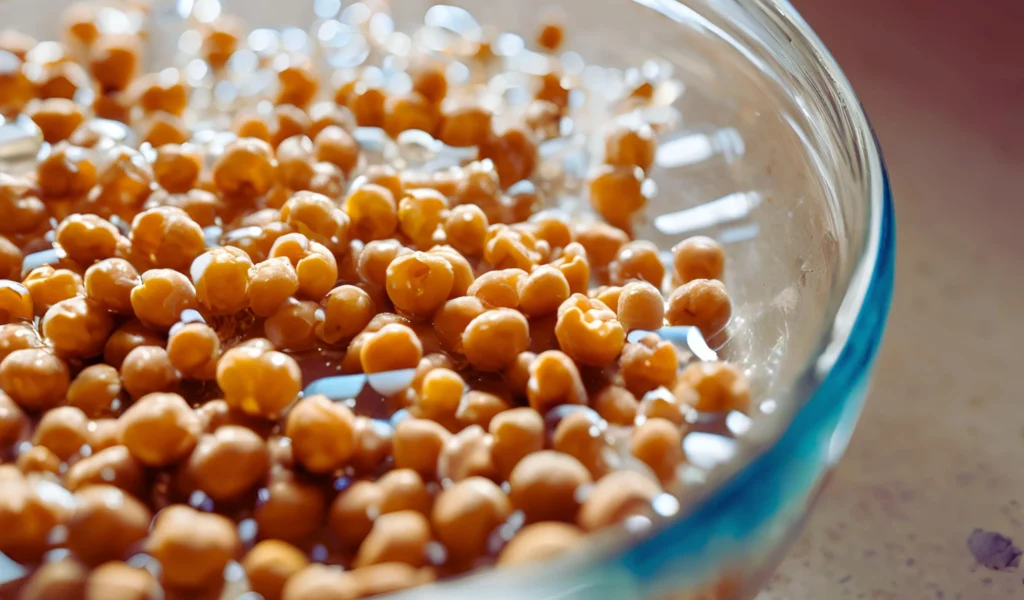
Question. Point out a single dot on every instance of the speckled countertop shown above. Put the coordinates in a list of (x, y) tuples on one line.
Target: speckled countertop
[(938, 451)]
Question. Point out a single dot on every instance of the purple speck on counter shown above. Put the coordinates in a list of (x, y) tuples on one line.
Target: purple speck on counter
[(993, 550)]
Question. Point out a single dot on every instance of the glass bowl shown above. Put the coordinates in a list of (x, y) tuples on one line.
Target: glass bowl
[(775, 158)]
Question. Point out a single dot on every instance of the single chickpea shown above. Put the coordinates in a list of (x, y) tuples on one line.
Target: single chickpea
[(111, 105), (126, 338), (466, 229), (367, 105), (221, 278), (463, 271), (351, 513), (630, 147), (167, 236), (616, 195), (616, 497), (114, 465), (246, 168), (160, 128), (258, 380), (616, 404), (466, 513), (698, 257), (553, 88), (220, 39), (63, 430), (295, 162), (193, 547), (507, 248), (88, 238), (297, 85), (18, 336), (640, 306), (420, 214), (62, 80), (14, 423), (193, 350), (403, 489), (499, 289), (373, 445), (543, 485), (440, 394), (161, 296), (94, 390), (430, 81), (608, 295), (159, 429), (114, 61), (554, 380), (200, 205), (177, 167), (375, 259), (162, 91), (417, 444), (648, 364), (39, 459), (335, 145), (65, 578), (21, 210), (326, 114), (701, 303), (34, 378), (393, 347), (347, 310), (479, 408), (671, 406), (468, 454), (66, 172), (321, 581), (293, 325), (492, 340), (543, 291), (322, 434), (538, 542), (386, 177), (124, 180), (410, 111), (659, 444), (719, 386), (637, 260), (517, 375), (77, 327), (48, 286), (291, 509), (105, 524), (270, 564), (386, 578), (103, 434), (10, 259), (395, 537), (316, 217), (464, 125), (315, 266), (588, 331), (373, 212), (514, 154), (551, 33), (15, 303), (452, 319), (251, 125), (56, 118), (120, 581), (517, 433), (271, 283), (228, 462), (419, 283)]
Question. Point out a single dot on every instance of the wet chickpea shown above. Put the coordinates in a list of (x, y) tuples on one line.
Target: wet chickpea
[(316, 217), (10, 260), (659, 444), (48, 286), (648, 364), (554, 380), (403, 489), (517, 375), (410, 111), (35, 379), (514, 154), (540, 541), (543, 485), (63, 431), (719, 387), (373, 445), (159, 429), (228, 462), (124, 178), (466, 513), (14, 422), (65, 578), (351, 513), (18, 336), (322, 582), (395, 537), (589, 332), (575, 267), (335, 145), (193, 547), (129, 336), (440, 394), (468, 454), (15, 302), (56, 118), (322, 434), (372, 211), (193, 350), (114, 465), (609, 295), (417, 444), (466, 229), (420, 214), (270, 564), (698, 257), (315, 266), (615, 497), (291, 509), (616, 195), (461, 269), (464, 124), (177, 167), (452, 319), (347, 310), (293, 325), (39, 459), (77, 327), (616, 404), (492, 340), (297, 85), (630, 147), (94, 390), (675, 407), (702, 303), (429, 81), (543, 291), (246, 168), (114, 61), (66, 172), (375, 259), (287, 121), (517, 433), (637, 260), (250, 125), (271, 283), (102, 434), (499, 289), (105, 524), (21, 210), (581, 434), (61, 80), (88, 238), (419, 283), (367, 105), (640, 306), (148, 369), (160, 128), (393, 347), (258, 380), (221, 279), (479, 408), (326, 114), (386, 177), (120, 581), (168, 237)]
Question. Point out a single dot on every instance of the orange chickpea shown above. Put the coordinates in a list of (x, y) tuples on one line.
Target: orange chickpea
[(543, 291), (350, 513), (335, 145), (315, 266), (287, 121), (66, 172), (21, 210), (517, 433), (326, 114), (77, 327), (246, 168), (148, 369), (270, 564), (322, 434), (124, 178), (62, 431), (462, 270), (48, 286), (159, 429), (479, 408), (640, 306), (637, 260), (375, 259), (114, 61), (466, 513), (719, 387), (293, 509), (492, 340), (615, 194), (554, 380), (10, 260), (316, 217), (616, 497), (114, 465), (35, 379), (160, 128), (249, 125), (464, 124), (220, 40), (14, 423), (588, 331), (367, 105), (221, 278), (468, 454), (39, 459), (410, 111), (258, 380), (508, 248), (419, 283), (293, 326), (347, 310), (440, 394), (177, 167), (616, 404), (551, 33), (193, 547), (429, 80), (608, 295), (466, 229), (193, 349), (417, 444), (163, 91), (452, 319), (514, 154), (161, 296), (295, 162), (373, 212), (15, 302), (698, 257), (393, 347), (675, 407), (297, 85), (386, 177), (271, 283), (403, 489), (228, 462), (395, 537), (61, 80), (103, 434), (538, 542), (552, 88), (499, 289), (420, 214), (119, 581), (659, 444), (649, 364), (56, 117), (543, 486), (126, 338), (168, 237), (702, 303), (18, 336), (95, 390), (111, 105), (105, 524), (87, 238), (630, 147), (26, 518)]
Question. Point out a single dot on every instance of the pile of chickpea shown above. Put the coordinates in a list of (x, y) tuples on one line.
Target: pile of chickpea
[(152, 372)]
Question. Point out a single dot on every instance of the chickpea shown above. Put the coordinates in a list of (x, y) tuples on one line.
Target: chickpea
[(77, 327), (34, 378), (467, 454), (403, 489), (14, 422), (88, 238), (220, 40), (111, 105), (61, 80), (322, 434), (386, 177), (228, 462), (167, 236), (494, 339), (127, 337), (26, 518), (420, 215), (702, 303), (16, 89), (462, 270), (616, 195), (659, 444), (271, 283), (66, 172), (649, 364), (674, 407), (466, 513), (393, 347), (258, 380), (293, 326), (554, 380), (297, 85), (719, 387), (440, 394), (48, 286), (608, 295), (124, 180), (367, 105), (10, 260), (575, 267), (373, 445), (39, 459), (637, 260), (65, 578), (200, 205), (464, 125), (21, 210), (588, 331), (352, 512), (159, 429), (538, 542), (163, 91), (246, 168), (429, 80), (347, 311), (193, 547), (466, 229), (62, 431), (15, 303), (375, 259), (630, 147), (102, 434), (417, 444), (321, 582), (291, 509), (419, 283), (640, 306), (335, 145), (372, 211), (316, 217), (249, 125), (544, 484), (479, 408), (221, 278), (517, 433), (395, 537), (119, 581), (452, 319), (543, 291), (582, 434), (148, 369), (514, 154), (616, 404), (551, 34), (410, 111), (698, 257), (517, 375), (552, 87), (177, 167), (270, 564), (105, 524), (327, 114), (193, 350), (315, 266), (160, 128), (114, 61), (56, 117), (114, 465), (295, 162), (18, 336)]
